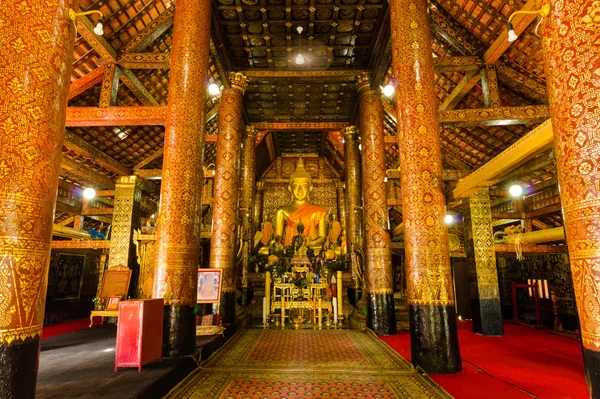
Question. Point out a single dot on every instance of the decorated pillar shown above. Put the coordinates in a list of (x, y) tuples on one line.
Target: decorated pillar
[(572, 63), (258, 206), (179, 222), (341, 205), (377, 242), (126, 218), (433, 335), (481, 258), (247, 182), (223, 240), (37, 53), (353, 200)]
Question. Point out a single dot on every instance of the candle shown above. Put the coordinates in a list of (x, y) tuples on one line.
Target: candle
[(335, 313), (264, 310), (314, 306), (320, 312), (282, 311)]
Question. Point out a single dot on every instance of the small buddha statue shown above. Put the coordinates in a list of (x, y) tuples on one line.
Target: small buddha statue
[(264, 235), (299, 242), (334, 230), (313, 216)]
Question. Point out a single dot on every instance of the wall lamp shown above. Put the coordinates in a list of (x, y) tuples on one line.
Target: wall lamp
[(544, 12), (99, 29)]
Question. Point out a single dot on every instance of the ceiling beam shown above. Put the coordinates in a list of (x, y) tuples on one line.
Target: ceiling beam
[(155, 155), (98, 43), (137, 87), (494, 116), (110, 86), (74, 143), (457, 64), (86, 82), (148, 173), (281, 126), (151, 32), (531, 249), (261, 74), (461, 89), (145, 60), (520, 152), (116, 116), (86, 173)]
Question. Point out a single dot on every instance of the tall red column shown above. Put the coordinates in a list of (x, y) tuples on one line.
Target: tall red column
[(36, 53), (434, 340), (178, 234), (572, 59), (247, 183), (223, 242), (381, 316)]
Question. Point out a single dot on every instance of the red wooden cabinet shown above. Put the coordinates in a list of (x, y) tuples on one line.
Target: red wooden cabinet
[(139, 332)]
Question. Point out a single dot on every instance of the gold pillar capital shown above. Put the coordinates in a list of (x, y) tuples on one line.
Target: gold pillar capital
[(239, 82), (129, 180), (349, 131), (363, 82), (251, 131), (260, 185), (340, 185)]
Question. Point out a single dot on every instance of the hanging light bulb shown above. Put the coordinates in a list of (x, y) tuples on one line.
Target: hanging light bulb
[(512, 36), (299, 58), (99, 29), (388, 90), (449, 219), (515, 190), (89, 193), (213, 89)]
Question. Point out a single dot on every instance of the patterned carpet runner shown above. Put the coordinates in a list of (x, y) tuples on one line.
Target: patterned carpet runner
[(275, 364)]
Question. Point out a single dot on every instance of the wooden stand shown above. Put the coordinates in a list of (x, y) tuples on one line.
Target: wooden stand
[(139, 333)]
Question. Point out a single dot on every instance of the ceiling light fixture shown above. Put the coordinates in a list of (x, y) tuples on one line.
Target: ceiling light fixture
[(544, 12), (515, 190), (99, 28), (89, 193), (388, 90), (213, 89), (300, 60), (449, 219)]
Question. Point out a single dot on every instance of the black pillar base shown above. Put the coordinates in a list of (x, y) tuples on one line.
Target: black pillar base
[(179, 331), (487, 317), (18, 369), (381, 315), (247, 295), (591, 361), (434, 339), (227, 308)]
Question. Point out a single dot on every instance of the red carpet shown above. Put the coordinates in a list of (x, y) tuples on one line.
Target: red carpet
[(523, 363), (64, 328)]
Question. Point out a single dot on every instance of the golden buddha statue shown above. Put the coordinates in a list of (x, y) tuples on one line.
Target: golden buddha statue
[(313, 216)]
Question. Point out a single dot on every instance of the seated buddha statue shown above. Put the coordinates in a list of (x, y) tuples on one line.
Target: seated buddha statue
[(313, 217)]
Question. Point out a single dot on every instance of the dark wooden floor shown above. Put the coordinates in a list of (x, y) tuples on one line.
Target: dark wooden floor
[(80, 365)]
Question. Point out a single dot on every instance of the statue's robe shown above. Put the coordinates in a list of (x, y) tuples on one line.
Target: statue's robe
[(311, 215), (334, 231), (266, 234)]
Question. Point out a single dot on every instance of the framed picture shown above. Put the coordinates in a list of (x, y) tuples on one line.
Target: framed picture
[(113, 303), (209, 285)]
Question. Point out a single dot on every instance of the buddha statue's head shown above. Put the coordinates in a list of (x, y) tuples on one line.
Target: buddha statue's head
[(300, 183)]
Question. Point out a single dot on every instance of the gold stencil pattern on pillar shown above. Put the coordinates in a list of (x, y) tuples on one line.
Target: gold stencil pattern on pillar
[(225, 213), (570, 40), (127, 192), (178, 234), (378, 261), (483, 244), (36, 72), (423, 203)]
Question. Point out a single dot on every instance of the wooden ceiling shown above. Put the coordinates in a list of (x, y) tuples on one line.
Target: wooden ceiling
[(340, 38)]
